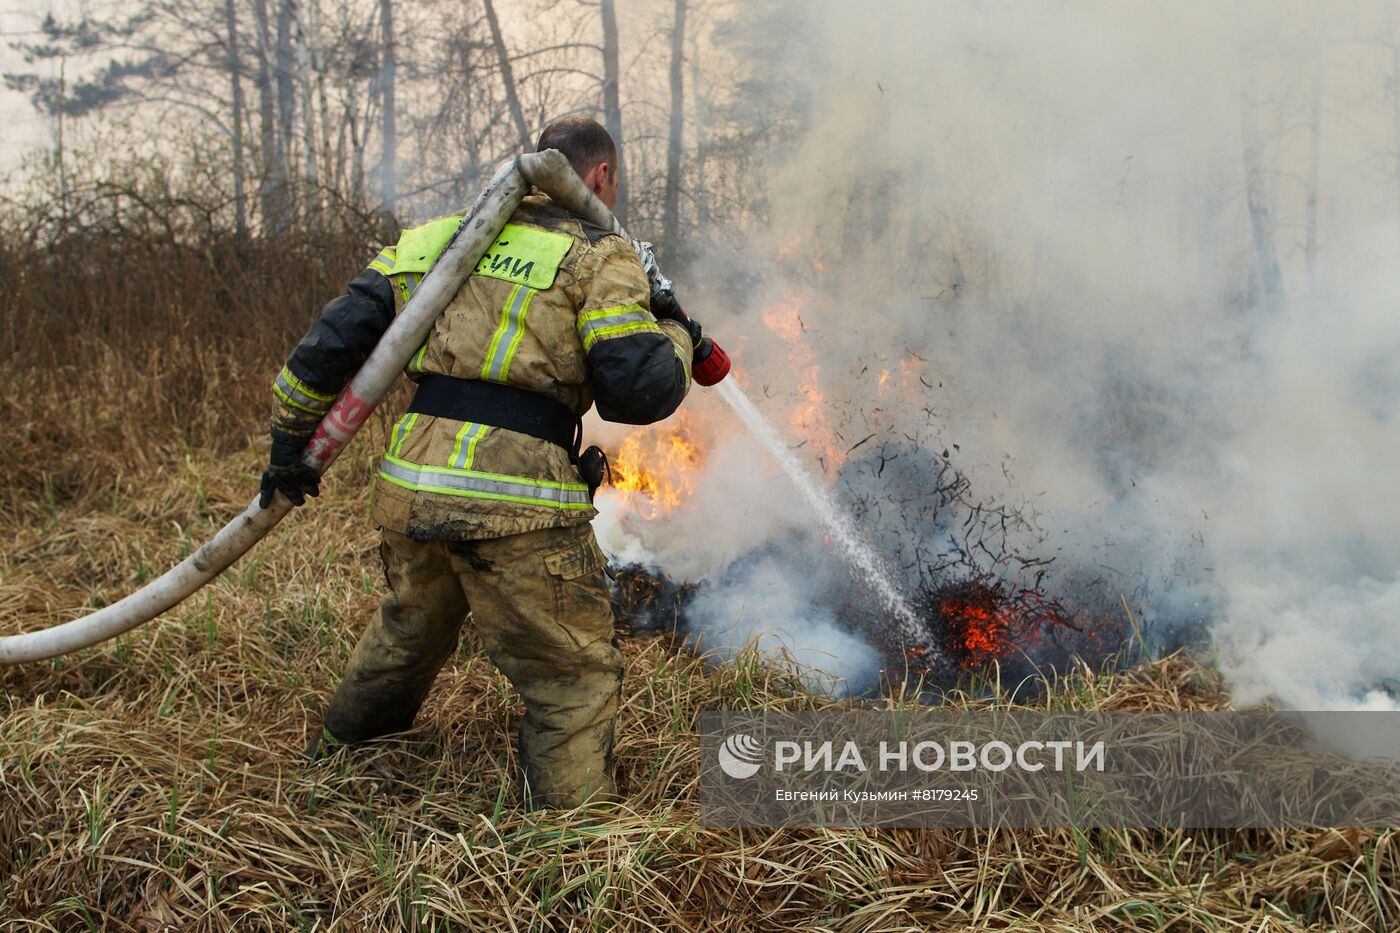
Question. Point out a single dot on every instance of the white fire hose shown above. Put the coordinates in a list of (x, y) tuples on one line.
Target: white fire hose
[(549, 171)]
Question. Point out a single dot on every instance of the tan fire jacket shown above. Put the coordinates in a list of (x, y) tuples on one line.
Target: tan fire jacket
[(557, 307)]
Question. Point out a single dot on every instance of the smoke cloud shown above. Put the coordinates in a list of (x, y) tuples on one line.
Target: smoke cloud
[(1133, 267)]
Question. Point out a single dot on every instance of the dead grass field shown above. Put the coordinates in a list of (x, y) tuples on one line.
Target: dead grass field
[(153, 784)]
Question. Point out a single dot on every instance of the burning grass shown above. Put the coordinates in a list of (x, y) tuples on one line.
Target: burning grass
[(152, 784), (976, 627), (645, 602), (985, 621)]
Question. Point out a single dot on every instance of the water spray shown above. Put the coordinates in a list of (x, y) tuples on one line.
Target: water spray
[(710, 368), (833, 518)]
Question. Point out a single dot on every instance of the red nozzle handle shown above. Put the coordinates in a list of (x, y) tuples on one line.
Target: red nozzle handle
[(711, 363)]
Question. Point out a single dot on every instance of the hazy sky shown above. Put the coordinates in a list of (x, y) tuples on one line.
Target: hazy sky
[(23, 128)]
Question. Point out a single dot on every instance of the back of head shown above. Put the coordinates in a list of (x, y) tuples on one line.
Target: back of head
[(584, 143)]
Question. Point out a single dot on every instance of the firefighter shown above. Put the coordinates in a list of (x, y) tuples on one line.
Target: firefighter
[(481, 502)]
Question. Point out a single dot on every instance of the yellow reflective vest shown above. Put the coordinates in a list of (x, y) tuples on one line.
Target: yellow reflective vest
[(556, 307)]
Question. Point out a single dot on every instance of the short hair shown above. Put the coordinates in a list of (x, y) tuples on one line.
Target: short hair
[(584, 143)]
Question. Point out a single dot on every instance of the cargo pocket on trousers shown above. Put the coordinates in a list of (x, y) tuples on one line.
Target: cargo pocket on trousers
[(581, 603)]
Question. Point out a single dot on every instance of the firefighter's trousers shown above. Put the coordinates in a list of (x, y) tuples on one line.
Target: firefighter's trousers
[(539, 601)]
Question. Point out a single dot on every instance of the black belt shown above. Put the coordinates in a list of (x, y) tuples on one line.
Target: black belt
[(500, 406)]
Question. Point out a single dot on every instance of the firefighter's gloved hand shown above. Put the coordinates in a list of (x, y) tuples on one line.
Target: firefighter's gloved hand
[(286, 473), (665, 307)]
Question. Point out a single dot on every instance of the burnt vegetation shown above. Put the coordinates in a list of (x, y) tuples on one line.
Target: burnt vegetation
[(986, 596)]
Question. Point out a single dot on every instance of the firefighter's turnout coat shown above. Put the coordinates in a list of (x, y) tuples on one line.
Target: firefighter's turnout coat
[(557, 307), (484, 520)]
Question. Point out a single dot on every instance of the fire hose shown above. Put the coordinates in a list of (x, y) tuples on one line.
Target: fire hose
[(549, 171)]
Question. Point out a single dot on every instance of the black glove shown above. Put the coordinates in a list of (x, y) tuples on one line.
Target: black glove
[(665, 307), (286, 473)]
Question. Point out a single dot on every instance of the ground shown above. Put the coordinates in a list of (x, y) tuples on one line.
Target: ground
[(152, 783)]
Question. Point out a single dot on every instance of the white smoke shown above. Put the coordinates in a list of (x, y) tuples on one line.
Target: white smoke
[(1049, 205), (738, 531), (765, 604), (1307, 541)]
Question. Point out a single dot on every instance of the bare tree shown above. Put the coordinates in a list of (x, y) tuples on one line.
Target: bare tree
[(612, 102), (272, 186), (336, 101), (285, 74), (306, 68), (55, 97), (462, 121), (1260, 217), (702, 193), (240, 207), (389, 129), (351, 48), (320, 159), (498, 41), (675, 137), (1311, 182)]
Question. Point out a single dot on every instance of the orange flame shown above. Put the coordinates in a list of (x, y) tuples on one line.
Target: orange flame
[(785, 319), (654, 470), (808, 417), (979, 624), (984, 631)]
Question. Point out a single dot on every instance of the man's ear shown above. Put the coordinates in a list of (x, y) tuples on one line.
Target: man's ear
[(598, 177)]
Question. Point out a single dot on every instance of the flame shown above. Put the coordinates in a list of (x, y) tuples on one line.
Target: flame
[(785, 319), (808, 417), (792, 249), (786, 249), (979, 623), (653, 471), (983, 630), (883, 384)]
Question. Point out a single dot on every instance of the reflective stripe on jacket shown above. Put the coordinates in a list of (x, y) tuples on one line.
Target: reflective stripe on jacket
[(557, 307)]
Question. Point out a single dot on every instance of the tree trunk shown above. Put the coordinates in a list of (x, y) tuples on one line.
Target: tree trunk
[(701, 111), (61, 155), (330, 171), (472, 161), (675, 138), (517, 113), (1314, 160), (357, 155), (1260, 220), (612, 105), (272, 184), (286, 97), (388, 127), (240, 207), (307, 66), (360, 133)]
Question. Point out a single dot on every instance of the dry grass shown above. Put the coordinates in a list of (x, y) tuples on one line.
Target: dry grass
[(152, 783)]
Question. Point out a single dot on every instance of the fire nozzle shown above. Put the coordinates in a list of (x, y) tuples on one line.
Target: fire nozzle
[(711, 363)]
